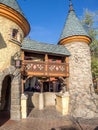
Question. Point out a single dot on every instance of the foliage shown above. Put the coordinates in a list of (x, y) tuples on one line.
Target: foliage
[(90, 22), (94, 66)]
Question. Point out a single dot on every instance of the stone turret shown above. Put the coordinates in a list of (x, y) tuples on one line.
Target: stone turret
[(13, 28), (76, 40)]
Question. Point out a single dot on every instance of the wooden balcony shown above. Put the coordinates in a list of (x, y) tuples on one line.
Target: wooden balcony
[(41, 68)]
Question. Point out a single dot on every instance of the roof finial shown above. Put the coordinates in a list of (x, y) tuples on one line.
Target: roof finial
[(71, 6)]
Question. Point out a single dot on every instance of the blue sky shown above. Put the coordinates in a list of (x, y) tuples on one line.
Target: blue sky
[(47, 17)]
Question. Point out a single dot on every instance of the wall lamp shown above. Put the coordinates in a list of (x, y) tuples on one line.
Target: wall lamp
[(16, 59)]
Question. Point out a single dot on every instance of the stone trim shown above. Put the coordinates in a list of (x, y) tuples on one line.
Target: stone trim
[(75, 39), (15, 42)]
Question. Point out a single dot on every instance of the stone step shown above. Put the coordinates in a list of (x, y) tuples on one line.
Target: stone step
[(47, 113)]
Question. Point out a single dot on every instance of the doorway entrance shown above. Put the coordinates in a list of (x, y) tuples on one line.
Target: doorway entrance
[(6, 96)]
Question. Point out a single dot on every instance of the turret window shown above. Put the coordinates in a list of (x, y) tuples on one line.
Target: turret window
[(16, 36), (14, 33)]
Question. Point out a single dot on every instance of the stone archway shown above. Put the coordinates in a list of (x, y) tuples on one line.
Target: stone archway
[(14, 91)]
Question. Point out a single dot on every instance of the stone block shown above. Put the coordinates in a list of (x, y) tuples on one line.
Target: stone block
[(17, 83), (41, 101), (24, 106), (15, 94), (62, 103), (15, 101), (15, 115), (38, 101), (49, 99), (18, 88), (35, 100), (15, 107)]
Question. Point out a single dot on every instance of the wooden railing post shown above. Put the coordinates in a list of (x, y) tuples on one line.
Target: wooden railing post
[(46, 64)]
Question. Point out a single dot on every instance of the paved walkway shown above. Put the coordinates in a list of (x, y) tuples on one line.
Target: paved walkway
[(47, 119)]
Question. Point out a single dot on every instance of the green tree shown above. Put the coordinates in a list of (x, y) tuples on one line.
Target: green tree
[(94, 66), (90, 22)]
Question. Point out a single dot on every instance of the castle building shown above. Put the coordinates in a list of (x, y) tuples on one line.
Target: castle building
[(28, 66)]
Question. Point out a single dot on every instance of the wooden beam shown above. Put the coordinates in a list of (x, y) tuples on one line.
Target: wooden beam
[(67, 66), (46, 64), (65, 81), (46, 57)]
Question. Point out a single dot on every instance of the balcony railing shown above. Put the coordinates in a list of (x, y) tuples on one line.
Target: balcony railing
[(45, 68)]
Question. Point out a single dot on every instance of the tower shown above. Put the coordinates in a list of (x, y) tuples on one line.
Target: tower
[(13, 28), (76, 40)]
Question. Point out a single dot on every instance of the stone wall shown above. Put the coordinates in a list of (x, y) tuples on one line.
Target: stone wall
[(16, 97), (8, 47), (82, 96)]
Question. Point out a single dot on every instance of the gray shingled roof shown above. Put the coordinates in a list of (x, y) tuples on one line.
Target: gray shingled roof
[(73, 27), (35, 46), (13, 4)]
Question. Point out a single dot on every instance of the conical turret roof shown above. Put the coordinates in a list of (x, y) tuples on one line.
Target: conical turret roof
[(12, 4), (73, 26)]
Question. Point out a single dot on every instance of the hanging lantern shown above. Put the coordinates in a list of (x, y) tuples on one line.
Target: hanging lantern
[(17, 59)]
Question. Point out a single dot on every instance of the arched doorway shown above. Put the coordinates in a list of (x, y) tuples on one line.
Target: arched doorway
[(5, 100), (10, 93), (6, 95)]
